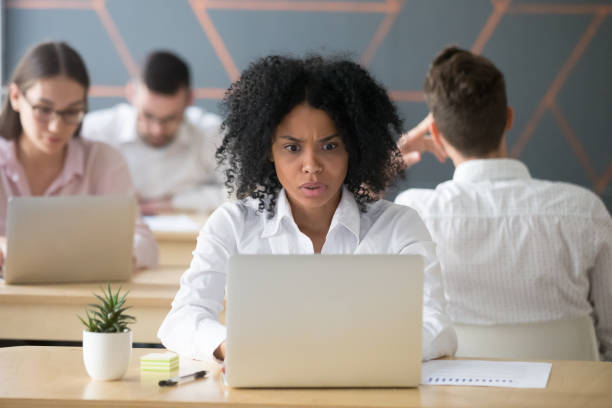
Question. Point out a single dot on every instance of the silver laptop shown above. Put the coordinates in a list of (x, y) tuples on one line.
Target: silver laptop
[(69, 239), (324, 321)]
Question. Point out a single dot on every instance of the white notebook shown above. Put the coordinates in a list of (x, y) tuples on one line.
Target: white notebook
[(171, 223), (513, 374)]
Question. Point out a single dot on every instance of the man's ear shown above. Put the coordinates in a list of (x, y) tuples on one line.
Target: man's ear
[(436, 135), (14, 94), (190, 97), (509, 118)]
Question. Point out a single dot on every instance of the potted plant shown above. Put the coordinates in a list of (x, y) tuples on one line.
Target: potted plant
[(107, 340)]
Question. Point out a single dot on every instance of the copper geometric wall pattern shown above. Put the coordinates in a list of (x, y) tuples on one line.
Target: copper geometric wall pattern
[(556, 57)]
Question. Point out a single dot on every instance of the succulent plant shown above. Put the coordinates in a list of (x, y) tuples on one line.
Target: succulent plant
[(109, 316)]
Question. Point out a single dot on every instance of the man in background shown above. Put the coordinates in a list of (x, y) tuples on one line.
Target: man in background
[(512, 249), (169, 146)]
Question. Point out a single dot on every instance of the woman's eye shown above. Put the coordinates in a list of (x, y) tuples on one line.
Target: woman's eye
[(44, 110), (292, 148), (330, 146), (72, 113)]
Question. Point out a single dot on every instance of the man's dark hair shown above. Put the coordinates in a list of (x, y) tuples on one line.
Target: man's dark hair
[(364, 116), (466, 94), (165, 73)]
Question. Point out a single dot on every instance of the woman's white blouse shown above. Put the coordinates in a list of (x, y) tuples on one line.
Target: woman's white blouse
[(192, 327)]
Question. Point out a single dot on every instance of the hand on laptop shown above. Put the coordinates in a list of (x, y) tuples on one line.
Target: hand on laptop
[(418, 140)]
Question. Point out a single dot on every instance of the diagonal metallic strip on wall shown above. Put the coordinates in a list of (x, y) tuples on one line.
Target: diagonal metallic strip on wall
[(560, 9), (106, 91), (115, 37), (292, 5), (381, 32), (209, 93), (557, 84), (113, 91), (200, 9), (574, 143), (499, 9), (529, 129), (99, 7), (407, 96), (50, 4), (603, 182)]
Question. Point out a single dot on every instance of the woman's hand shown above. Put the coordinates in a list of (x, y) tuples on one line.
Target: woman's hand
[(2, 251), (219, 352)]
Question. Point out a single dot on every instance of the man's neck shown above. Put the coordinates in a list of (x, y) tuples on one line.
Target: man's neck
[(457, 158)]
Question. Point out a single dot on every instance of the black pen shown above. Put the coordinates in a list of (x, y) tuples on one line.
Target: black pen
[(176, 380)]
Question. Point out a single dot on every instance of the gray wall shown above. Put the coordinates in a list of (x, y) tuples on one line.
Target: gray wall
[(556, 56)]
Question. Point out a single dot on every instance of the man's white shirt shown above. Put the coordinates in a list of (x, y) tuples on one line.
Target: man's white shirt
[(185, 169), (192, 327), (516, 249)]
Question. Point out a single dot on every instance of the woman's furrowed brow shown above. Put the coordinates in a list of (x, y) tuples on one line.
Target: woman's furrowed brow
[(328, 138), (290, 138), (295, 139)]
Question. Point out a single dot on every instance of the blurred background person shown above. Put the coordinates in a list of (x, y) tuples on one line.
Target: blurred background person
[(41, 151), (169, 145)]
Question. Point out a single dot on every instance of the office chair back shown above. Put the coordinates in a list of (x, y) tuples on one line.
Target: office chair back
[(570, 339)]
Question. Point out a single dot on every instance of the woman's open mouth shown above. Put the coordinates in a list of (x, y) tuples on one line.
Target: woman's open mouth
[(313, 189)]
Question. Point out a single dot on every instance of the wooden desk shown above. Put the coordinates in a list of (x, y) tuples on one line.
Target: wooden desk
[(175, 247), (49, 312), (47, 376)]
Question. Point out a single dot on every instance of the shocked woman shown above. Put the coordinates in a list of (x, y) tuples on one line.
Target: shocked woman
[(308, 149)]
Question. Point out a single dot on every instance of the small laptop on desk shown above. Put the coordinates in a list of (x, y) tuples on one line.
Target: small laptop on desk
[(69, 239), (324, 321)]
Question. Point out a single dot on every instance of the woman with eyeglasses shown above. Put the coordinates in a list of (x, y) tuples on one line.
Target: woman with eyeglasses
[(41, 153)]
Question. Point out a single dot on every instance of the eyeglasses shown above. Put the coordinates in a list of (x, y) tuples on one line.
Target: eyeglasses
[(167, 121), (44, 114)]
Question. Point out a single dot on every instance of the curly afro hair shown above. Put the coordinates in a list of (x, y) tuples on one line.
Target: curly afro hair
[(271, 87)]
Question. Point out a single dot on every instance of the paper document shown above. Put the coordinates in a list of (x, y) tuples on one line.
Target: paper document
[(513, 374), (171, 223)]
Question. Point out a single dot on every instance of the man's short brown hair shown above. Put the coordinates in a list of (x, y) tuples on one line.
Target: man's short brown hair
[(466, 94)]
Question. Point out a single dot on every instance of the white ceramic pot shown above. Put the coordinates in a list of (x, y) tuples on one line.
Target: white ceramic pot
[(107, 355)]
